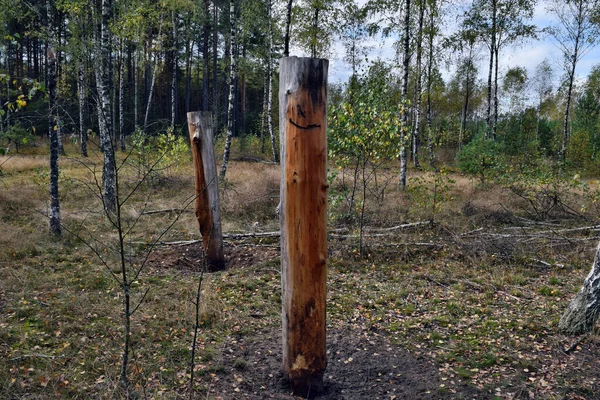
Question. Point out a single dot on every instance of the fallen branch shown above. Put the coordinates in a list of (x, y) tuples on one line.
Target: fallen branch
[(254, 159), (574, 345), (496, 290), (251, 235), (246, 235), (430, 279), (470, 232), (225, 236), (547, 264), (397, 227), (583, 228), (166, 210), (34, 355), (416, 244)]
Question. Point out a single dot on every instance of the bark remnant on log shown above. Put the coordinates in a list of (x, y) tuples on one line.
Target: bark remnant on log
[(303, 127)]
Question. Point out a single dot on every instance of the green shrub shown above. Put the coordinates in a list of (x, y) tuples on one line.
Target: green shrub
[(18, 136), (159, 156), (482, 158)]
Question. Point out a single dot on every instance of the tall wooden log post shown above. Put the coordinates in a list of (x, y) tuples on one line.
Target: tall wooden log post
[(208, 214), (303, 217)]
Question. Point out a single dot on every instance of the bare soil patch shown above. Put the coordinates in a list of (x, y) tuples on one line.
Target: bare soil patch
[(188, 258), (360, 366)]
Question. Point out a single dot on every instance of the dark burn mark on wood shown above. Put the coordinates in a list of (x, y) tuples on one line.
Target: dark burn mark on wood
[(300, 111), (307, 127)]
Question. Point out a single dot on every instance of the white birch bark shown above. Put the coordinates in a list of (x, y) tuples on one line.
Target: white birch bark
[(152, 81), (582, 312), (231, 100), (81, 98), (55, 224), (136, 86), (122, 100), (405, 64), (417, 105), (175, 51), (104, 110), (270, 87)]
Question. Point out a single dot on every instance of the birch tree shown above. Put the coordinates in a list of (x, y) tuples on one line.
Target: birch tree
[(55, 225), (542, 84), (577, 32), (270, 82), (103, 82), (405, 71), (499, 23), (431, 31), (231, 82), (419, 87)]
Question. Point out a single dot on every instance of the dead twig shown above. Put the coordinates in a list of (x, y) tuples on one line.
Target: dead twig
[(574, 345), (34, 355), (166, 210)]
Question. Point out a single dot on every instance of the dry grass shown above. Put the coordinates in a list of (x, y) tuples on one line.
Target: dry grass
[(249, 196), (20, 163)]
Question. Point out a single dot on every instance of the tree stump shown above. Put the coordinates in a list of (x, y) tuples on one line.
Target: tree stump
[(583, 310), (207, 207), (303, 218)]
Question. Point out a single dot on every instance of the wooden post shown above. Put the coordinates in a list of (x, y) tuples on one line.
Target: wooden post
[(303, 217), (207, 207)]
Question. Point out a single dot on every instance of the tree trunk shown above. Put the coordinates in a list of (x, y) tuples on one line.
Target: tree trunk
[(81, 97), (495, 123), (2, 118), (113, 92), (36, 59), (215, 55), (174, 80), (108, 168), (152, 82), (429, 84), (303, 218), (55, 225), (263, 116), (488, 131), (57, 60), (315, 32), (565, 140), (288, 24), (270, 88), (582, 312), (207, 207), (417, 105), (205, 56), (188, 65), (231, 102), (405, 65), (122, 100), (243, 99), (463, 122), (136, 86), (61, 148)]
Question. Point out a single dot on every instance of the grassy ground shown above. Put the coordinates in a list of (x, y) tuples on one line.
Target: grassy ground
[(466, 307)]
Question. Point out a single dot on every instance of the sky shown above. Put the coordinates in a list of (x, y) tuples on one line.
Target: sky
[(527, 55)]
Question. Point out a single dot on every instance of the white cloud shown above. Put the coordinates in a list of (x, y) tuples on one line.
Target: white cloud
[(527, 55)]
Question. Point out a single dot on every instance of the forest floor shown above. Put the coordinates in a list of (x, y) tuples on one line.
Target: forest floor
[(464, 307)]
